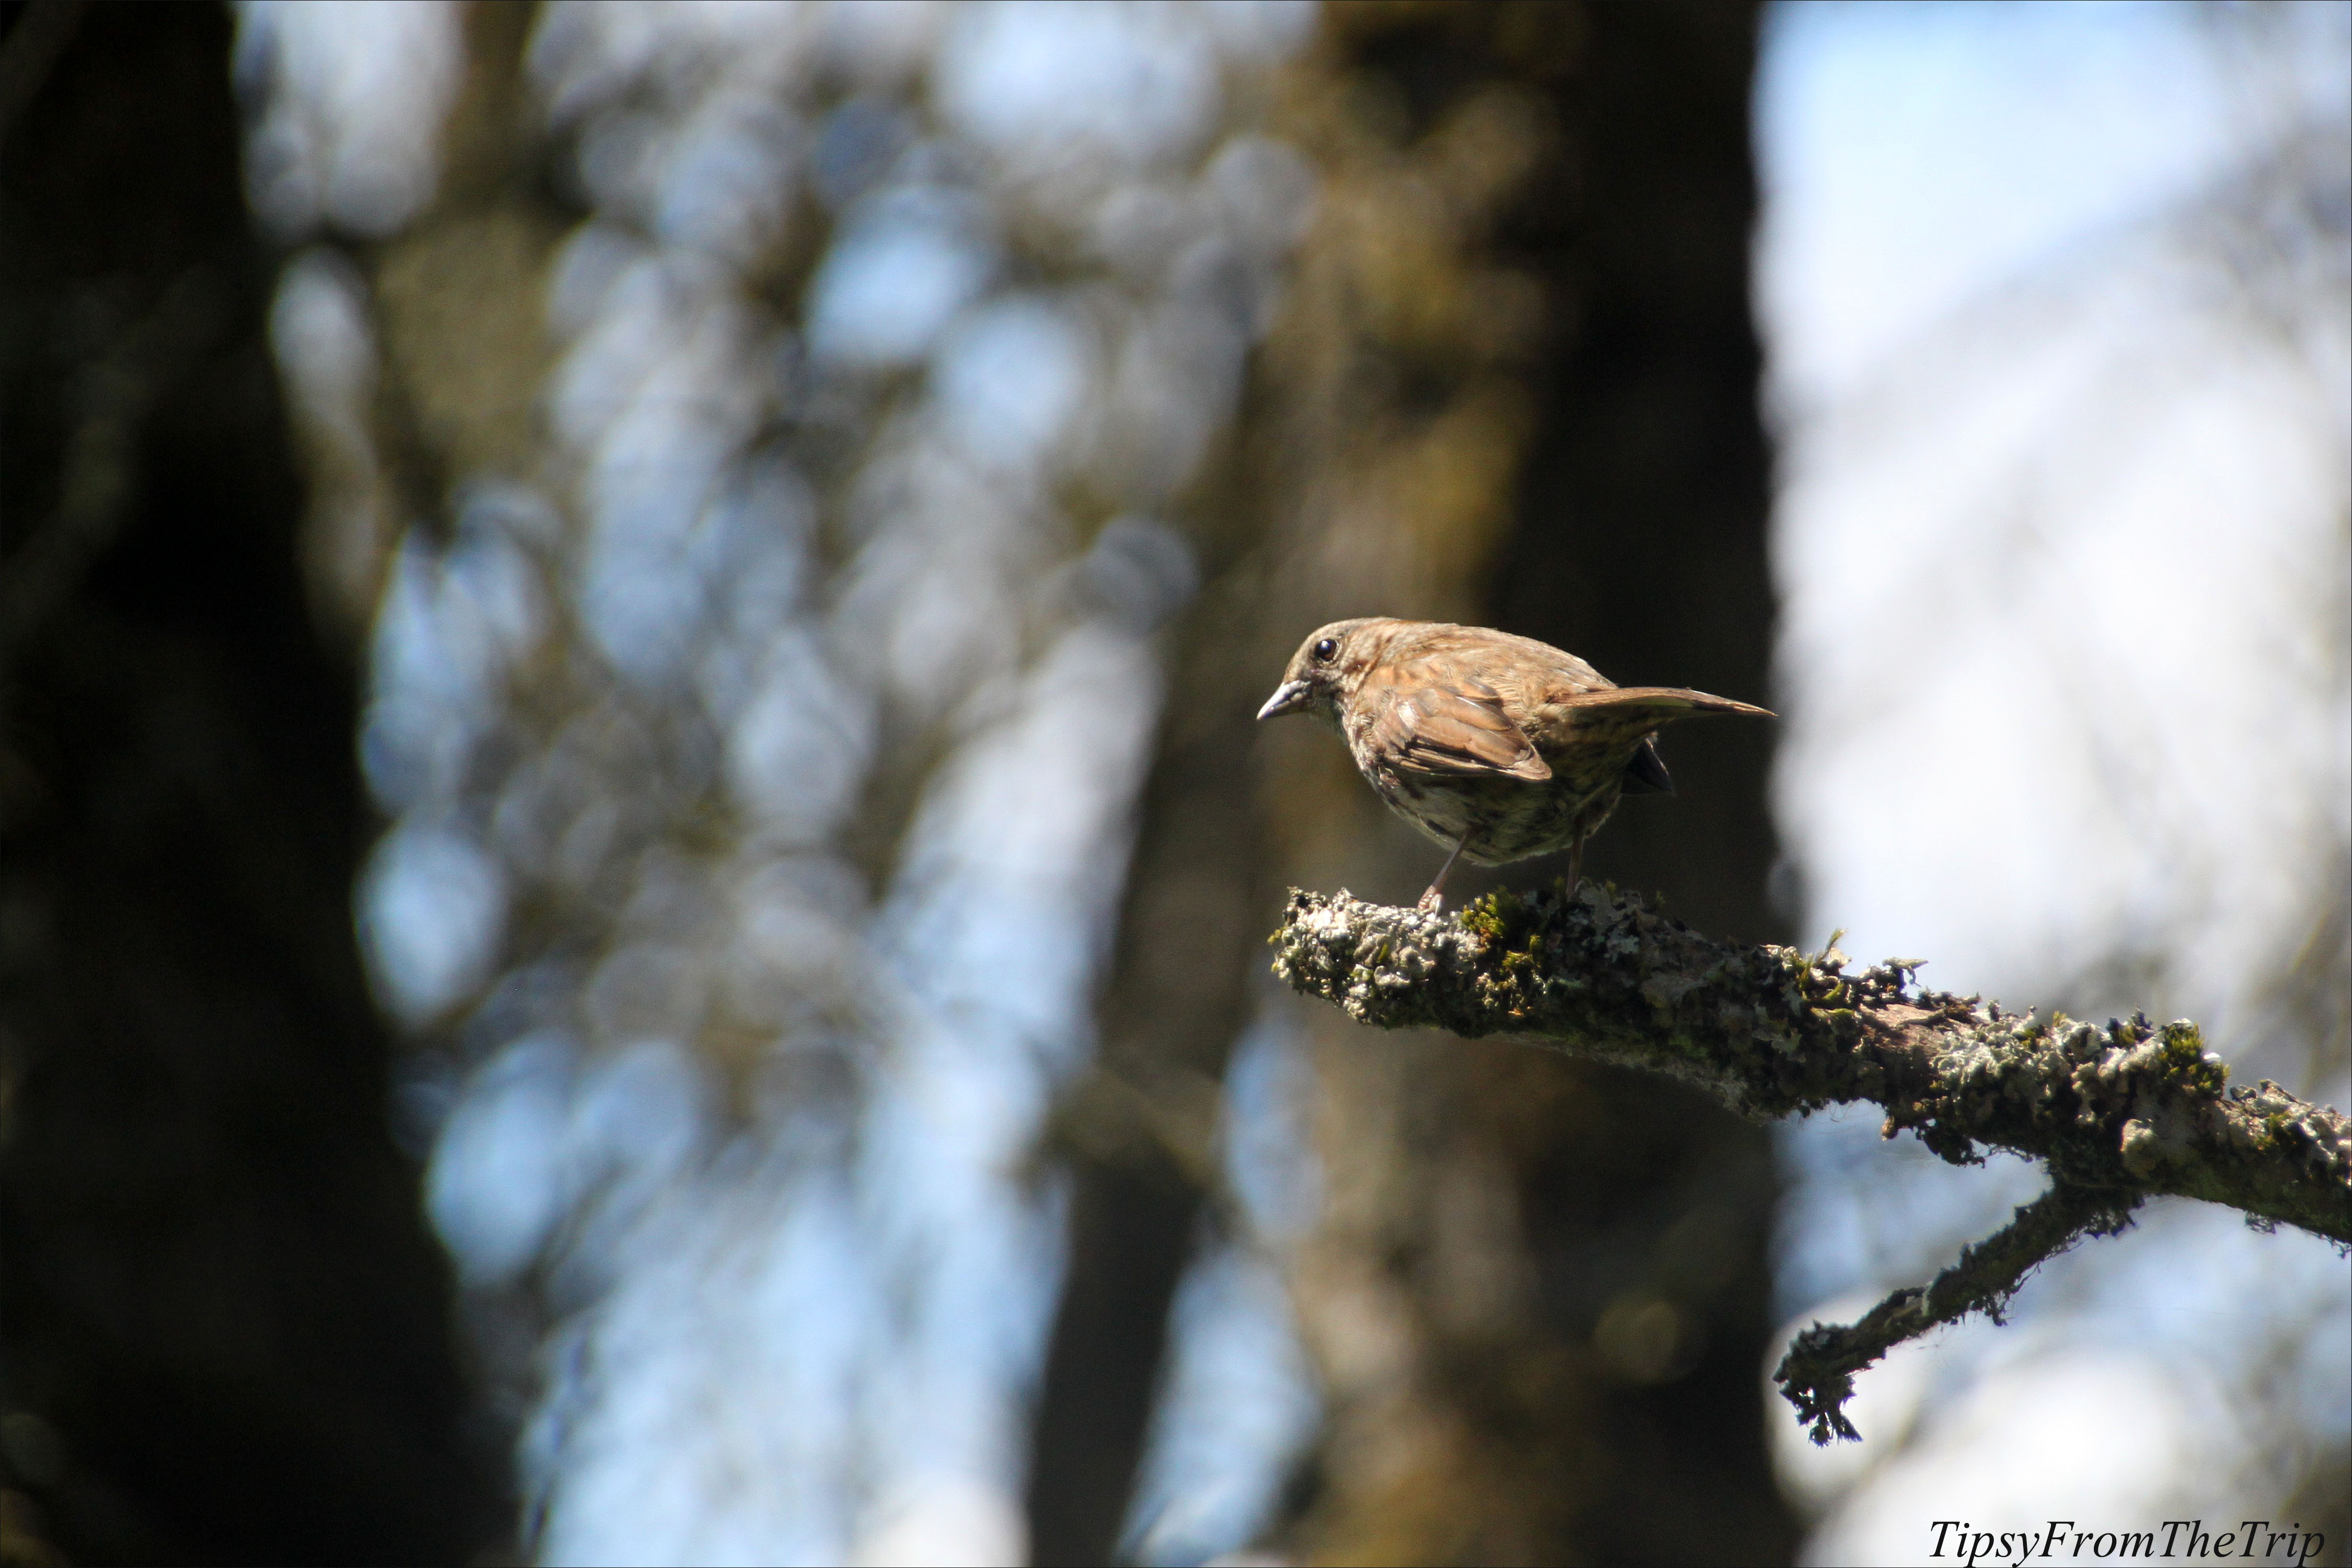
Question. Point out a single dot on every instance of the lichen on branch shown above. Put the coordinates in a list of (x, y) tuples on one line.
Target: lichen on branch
[(2117, 1113)]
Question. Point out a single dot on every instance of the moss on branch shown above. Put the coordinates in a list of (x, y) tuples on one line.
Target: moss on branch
[(2117, 1112)]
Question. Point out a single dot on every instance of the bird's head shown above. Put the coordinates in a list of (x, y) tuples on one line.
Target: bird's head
[(1327, 668)]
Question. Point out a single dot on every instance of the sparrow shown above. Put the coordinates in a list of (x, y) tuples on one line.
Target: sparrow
[(1497, 746)]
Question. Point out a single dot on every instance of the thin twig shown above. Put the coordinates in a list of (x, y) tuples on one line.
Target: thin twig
[(1817, 1374)]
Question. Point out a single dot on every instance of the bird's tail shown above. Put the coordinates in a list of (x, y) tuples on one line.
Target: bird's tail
[(1663, 702)]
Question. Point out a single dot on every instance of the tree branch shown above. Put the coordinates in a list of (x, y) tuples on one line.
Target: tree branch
[(2116, 1113)]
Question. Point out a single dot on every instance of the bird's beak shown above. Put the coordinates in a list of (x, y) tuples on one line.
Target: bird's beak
[(1289, 697)]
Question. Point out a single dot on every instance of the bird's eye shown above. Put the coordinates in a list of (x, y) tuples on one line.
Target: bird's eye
[(1324, 651)]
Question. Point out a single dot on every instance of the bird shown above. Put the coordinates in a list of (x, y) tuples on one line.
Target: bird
[(1498, 747)]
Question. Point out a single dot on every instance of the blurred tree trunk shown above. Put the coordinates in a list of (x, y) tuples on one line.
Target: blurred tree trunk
[(227, 1332), (1141, 1129), (1515, 383)]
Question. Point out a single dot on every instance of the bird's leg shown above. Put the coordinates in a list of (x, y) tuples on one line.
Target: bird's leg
[(1434, 898), (1576, 865)]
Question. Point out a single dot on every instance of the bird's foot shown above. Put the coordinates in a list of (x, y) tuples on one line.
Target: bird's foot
[(1432, 902)]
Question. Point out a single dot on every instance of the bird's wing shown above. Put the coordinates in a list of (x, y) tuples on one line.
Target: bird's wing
[(1423, 723)]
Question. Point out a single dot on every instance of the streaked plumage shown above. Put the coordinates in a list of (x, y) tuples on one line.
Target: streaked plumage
[(1497, 746)]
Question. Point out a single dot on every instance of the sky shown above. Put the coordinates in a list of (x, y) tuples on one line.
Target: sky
[(1917, 156), (2059, 530)]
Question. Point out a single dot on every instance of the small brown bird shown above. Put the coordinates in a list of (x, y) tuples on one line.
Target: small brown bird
[(1497, 746)]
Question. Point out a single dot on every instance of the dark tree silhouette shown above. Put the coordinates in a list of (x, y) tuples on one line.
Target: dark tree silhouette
[(227, 1334)]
